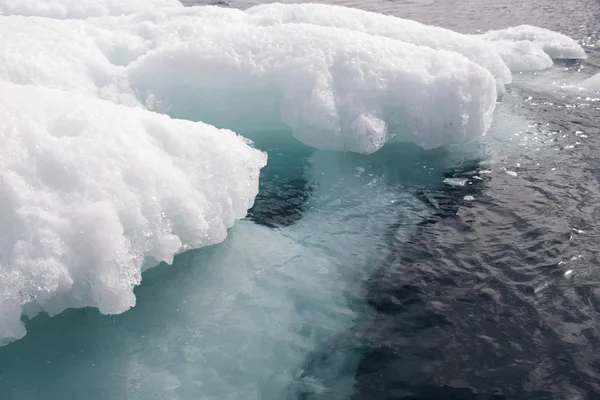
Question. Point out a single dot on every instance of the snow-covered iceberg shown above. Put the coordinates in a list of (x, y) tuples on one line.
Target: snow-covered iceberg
[(94, 181), (90, 190), (79, 9)]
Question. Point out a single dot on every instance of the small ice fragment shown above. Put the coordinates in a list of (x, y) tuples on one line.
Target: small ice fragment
[(569, 272), (456, 181), (360, 169), (511, 173), (468, 198)]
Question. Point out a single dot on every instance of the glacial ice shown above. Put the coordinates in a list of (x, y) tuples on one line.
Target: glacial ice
[(592, 83), (278, 67), (404, 30), (554, 44), (335, 89), (79, 9), (76, 167), (91, 190)]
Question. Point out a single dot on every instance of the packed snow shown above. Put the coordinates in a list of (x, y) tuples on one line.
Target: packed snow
[(96, 184), (91, 190), (79, 9)]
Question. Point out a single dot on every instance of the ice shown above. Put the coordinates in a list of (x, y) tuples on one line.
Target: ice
[(93, 193), (267, 314), (352, 82), (522, 55), (456, 181), (522, 47), (333, 88), (77, 169), (91, 190), (62, 55), (79, 8), (404, 30), (592, 83), (336, 89)]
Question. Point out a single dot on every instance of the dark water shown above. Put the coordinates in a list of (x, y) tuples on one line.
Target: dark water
[(499, 298)]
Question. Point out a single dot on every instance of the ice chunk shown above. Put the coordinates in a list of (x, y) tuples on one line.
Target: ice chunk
[(336, 89), (352, 83), (456, 181), (554, 44), (79, 8), (66, 55), (592, 83), (522, 55), (90, 190), (391, 27)]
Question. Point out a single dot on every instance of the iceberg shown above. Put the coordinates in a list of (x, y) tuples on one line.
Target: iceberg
[(554, 44), (335, 89), (92, 191), (96, 185), (79, 9)]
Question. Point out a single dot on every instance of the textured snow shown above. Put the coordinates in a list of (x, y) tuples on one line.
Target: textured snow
[(334, 88), (528, 48), (90, 190), (79, 8), (404, 30)]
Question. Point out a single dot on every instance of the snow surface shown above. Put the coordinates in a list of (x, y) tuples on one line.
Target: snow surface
[(93, 188), (90, 190), (79, 9), (556, 45)]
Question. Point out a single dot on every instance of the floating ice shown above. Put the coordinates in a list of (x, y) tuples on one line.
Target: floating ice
[(456, 181), (90, 190), (336, 89), (351, 82), (79, 8), (404, 30), (523, 55), (523, 47), (592, 83)]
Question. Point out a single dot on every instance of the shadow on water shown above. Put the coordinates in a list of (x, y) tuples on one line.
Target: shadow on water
[(283, 190)]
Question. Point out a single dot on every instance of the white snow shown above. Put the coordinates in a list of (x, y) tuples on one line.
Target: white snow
[(404, 30), (80, 8), (90, 190), (522, 47), (335, 89)]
